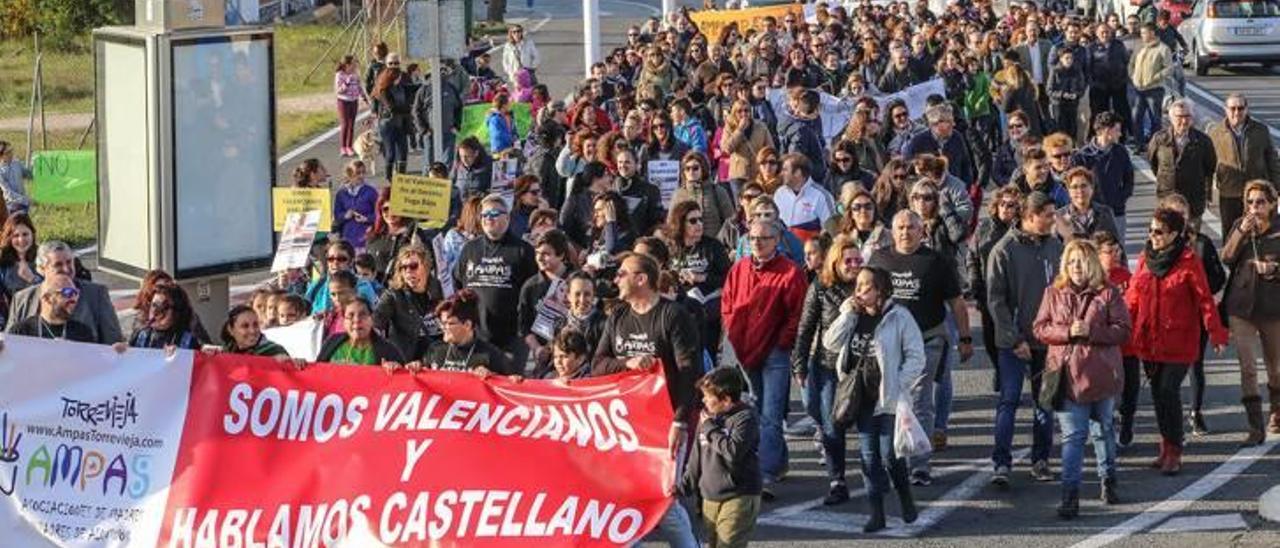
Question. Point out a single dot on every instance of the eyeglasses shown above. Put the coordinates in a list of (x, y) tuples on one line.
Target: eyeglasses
[(1236, 108), (853, 261), (843, 160), (694, 220), (338, 259), (924, 197), (1159, 232), (1257, 202), (409, 267), (862, 206), (1016, 126), (69, 292), (492, 214), (770, 162), (754, 239)]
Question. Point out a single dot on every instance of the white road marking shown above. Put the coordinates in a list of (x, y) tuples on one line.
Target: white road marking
[(1181, 500), (1191, 524), (1215, 101), (811, 515)]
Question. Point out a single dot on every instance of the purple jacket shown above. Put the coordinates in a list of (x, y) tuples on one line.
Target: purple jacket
[(363, 201)]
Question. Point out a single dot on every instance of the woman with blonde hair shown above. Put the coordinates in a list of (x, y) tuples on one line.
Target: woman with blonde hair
[(743, 139), (404, 314), (1083, 321)]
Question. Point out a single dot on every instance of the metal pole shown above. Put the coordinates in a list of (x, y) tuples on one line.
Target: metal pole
[(31, 113), (668, 6), (590, 34), (437, 82), (324, 56), (44, 129)]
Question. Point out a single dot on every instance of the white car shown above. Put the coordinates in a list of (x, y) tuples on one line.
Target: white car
[(1222, 32)]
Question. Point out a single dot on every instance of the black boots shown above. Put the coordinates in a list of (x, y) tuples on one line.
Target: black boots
[(1126, 430), (1253, 412), (1198, 426), (839, 494), (1070, 507), (1109, 495), (902, 484), (876, 521)]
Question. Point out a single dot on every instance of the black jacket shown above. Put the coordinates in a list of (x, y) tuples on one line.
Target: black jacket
[(1188, 172), (407, 320), (725, 461), (467, 357), (990, 230), (821, 308), (644, 203)]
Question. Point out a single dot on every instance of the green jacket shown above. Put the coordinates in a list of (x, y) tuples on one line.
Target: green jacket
[(977, 101), (263, 348)]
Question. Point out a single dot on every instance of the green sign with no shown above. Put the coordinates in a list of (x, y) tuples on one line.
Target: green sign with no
[(64, 177)]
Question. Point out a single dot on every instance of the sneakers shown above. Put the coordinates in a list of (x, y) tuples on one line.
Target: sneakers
[(1198, 426), (1070, 507), (839, 494), (767, 494), (1040, 471), (1000, 478), (921, 478), (939, 441)]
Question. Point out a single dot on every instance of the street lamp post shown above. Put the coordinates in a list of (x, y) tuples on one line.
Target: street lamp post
[(590, 34)]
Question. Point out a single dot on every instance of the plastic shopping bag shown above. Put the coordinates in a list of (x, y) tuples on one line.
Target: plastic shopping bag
[(909, 438)]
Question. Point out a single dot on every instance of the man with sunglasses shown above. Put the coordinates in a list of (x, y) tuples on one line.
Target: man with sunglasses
[(93, 308), (1245, 151), (495, 266), (58, 301)]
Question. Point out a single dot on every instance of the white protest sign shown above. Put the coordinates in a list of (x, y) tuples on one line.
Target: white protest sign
[(503, 180), (665, 174), (295, 241), (834, 112)]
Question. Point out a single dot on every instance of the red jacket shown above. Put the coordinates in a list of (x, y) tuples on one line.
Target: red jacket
[(1119, 276), (1093, 364), (1168, 312), (760, 307)]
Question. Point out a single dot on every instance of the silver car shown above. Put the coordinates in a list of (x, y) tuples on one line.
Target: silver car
[(1222, 32)]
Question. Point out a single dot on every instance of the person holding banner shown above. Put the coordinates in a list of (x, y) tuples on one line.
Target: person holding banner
[(404, 314), (170, 321), (648, 331), (495, 266), (461, 348), (242, 334), (543, 297), (359, 344), (57, 302)]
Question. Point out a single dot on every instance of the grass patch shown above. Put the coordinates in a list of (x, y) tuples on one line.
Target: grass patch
[(75, 224), (294, 129), (68, 74)]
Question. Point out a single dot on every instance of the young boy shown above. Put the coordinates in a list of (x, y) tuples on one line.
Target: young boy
[(1111, 254), (366, 271), (12, 175), (724, 467)]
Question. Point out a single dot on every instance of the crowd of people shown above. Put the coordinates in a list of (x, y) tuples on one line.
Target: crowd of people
[(846, 264)]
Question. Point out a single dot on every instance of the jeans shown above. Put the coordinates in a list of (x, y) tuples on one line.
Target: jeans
[(347, 122), (875, 441), (1122, 224), (944, 392), (395, 146), (448, 141), (1230, 210), (1149, 104), (922, 388), (676, 528), (1012, 371), (771, 386), (1077, 419), (821, 387), (1166, 394)]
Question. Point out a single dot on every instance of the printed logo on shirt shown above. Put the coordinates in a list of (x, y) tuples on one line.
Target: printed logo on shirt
[(489, 272), (906, 287), (634, 344)]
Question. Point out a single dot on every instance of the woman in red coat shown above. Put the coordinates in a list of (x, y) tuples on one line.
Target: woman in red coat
[(1169, 300)]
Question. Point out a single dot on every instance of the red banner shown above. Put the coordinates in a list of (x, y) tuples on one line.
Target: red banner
[(341, 455)]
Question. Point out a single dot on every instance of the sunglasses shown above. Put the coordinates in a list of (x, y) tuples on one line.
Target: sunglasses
[(337, 259), (863, 206), (688, 169), (409, 267), (492, 213), (924, 197), (770, 162), (843, 159), (69, 292), (1159, 232), (694, 220), (853, 261), (1257, 202)]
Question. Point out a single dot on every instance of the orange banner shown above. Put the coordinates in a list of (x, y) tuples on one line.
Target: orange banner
[(710, 22)]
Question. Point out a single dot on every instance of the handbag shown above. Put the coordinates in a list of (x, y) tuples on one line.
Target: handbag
[(856, 393), (1052, 389)]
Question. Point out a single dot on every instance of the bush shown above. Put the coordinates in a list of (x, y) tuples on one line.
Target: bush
[(60, 22)]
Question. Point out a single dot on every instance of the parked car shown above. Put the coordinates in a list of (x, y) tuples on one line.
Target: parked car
[(1222, 32)]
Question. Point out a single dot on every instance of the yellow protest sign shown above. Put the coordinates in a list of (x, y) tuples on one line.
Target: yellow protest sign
[(710, 22), (286, 200), (422, 198)]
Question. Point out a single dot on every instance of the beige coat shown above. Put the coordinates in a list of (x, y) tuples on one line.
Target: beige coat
[(741, 147), (1253, 158)]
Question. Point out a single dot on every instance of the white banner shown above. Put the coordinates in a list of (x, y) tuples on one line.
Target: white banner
[(834, 112), (665, 174), (90, 467), (300, 340)]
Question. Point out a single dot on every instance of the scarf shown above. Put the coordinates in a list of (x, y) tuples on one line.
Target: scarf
[(1161, 262), (1081, 223)]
